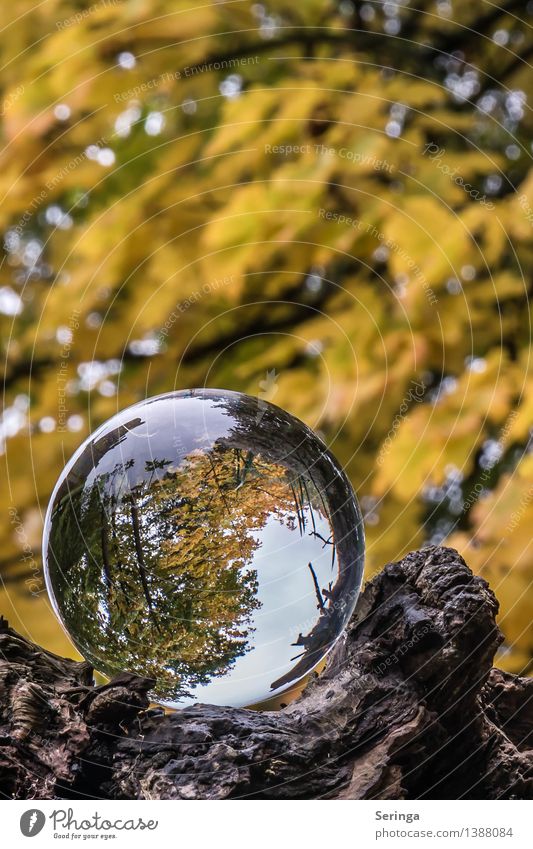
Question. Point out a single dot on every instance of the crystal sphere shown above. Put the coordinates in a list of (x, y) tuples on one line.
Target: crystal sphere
[(206, 539)]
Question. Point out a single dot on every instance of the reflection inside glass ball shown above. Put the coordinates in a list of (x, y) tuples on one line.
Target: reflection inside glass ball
[(208, 540)]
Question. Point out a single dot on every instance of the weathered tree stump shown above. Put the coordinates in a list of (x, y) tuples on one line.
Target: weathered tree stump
[(408, 708)]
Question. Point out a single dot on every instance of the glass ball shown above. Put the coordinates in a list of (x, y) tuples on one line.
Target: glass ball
[(206, 539)]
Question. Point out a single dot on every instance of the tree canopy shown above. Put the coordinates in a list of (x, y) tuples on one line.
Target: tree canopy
[(327, 205)]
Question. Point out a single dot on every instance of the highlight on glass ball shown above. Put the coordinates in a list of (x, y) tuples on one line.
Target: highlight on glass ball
[(206, 539)]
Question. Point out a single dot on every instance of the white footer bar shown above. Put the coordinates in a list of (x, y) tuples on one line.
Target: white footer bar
[(254, 824)]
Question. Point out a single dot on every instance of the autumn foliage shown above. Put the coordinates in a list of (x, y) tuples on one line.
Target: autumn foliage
[(327, 205)]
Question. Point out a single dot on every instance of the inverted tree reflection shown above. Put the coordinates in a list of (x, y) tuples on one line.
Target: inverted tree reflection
[(174, 589)]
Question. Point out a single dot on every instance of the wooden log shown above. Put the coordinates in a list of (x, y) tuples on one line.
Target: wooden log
[(408, 708)]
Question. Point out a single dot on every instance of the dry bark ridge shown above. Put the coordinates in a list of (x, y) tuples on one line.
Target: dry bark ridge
[(408, 708)]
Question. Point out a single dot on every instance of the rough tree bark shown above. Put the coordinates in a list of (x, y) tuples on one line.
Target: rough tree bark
[(407, 708)]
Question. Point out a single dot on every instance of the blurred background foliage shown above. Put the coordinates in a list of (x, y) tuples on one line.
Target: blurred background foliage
[(325, 204)]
